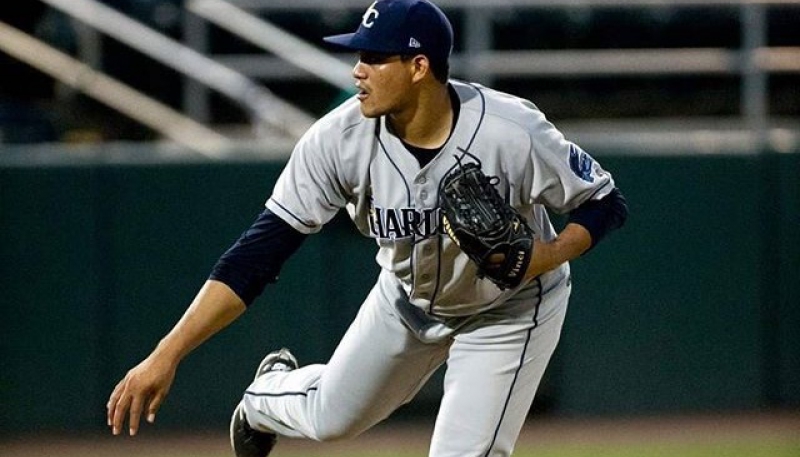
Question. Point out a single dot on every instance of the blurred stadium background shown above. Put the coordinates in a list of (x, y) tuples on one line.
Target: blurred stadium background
[(138, 138)]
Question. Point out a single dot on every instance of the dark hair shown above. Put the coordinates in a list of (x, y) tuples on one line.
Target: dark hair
[(439, 67), (441, 70)]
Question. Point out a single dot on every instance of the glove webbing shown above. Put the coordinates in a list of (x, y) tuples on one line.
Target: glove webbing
[(484, 219)]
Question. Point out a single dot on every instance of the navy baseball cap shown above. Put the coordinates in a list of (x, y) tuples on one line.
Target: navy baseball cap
[(405, 27)]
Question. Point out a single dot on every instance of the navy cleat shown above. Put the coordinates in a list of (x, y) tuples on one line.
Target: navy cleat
[(245, 441)]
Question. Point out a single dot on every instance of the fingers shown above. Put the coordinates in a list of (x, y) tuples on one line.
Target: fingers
[(118, 409), (112, 404), (126, 399), (152, 409), (497, 258), (136, 412), (139, 393)]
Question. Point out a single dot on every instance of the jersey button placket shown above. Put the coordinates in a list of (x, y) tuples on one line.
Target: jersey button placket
[(424, 266), (422, 193), (425, 262)]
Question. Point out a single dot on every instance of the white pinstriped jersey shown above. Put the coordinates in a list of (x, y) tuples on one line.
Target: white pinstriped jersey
[(348, 161)]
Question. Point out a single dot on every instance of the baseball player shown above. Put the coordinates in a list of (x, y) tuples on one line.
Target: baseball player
[(492, 311)]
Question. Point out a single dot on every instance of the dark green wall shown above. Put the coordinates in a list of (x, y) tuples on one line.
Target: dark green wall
[(667, 315), (692, 306)]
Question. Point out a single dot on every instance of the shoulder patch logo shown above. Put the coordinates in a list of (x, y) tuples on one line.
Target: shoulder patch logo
[(581, 163)]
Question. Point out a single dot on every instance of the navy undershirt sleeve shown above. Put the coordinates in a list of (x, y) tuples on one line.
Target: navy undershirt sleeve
[(600, 217), (256, 258)]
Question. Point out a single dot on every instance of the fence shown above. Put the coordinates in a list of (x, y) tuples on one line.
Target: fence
[(691, 307)]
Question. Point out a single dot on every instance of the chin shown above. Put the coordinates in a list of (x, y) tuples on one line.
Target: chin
[(370, 113)]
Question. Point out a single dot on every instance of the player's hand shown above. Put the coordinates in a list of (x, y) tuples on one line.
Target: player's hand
[(141, 391)]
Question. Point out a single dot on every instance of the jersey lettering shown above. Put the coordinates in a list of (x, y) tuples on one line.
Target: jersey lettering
[(394, 229), (411, 219), (394, 224)]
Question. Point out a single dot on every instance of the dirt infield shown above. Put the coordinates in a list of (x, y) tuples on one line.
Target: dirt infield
[(542, 433)]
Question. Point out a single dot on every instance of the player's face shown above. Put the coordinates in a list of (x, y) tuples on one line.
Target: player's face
[(384, 83)]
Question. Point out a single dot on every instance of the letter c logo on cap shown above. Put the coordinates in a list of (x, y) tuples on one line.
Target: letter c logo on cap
[(368, 20)]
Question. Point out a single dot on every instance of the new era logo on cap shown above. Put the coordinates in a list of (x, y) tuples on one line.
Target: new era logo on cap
[(413, 43)]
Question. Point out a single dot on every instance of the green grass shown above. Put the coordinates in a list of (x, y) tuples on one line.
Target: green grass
[(745, 449), (766, 448), (764, 444)]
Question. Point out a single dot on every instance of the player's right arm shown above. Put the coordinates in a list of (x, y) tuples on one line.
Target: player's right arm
[(144, 387), (237, 279)]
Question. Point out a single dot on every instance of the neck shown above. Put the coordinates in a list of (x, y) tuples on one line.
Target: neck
[(427, 123)]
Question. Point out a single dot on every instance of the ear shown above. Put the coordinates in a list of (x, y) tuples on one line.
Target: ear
[(420, 67)]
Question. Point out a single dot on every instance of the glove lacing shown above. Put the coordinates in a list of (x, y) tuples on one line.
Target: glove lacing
[(497, 208)]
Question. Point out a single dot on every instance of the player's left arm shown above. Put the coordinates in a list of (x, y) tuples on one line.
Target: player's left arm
[(587, 225)]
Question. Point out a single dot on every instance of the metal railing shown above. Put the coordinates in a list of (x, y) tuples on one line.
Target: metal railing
[(273, 39), (268, 110), (289, 58), (111, 92), (479, 61)]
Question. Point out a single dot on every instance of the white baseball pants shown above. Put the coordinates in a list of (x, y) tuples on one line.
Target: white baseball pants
[(495, 362)]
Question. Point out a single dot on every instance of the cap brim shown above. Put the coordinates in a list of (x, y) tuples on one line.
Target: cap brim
[(356, 42), (344, 40)]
